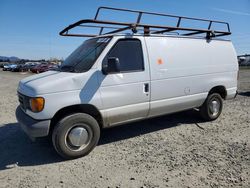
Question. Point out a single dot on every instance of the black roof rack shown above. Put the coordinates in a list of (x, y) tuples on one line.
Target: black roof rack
[(147, 29)]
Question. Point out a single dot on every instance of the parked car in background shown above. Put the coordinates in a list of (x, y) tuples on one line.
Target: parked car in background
[(47, 68), (26, 67), (9, 67), (2, 64), (43, 67), (16, 68), (35, 69), (54, 68), (13, 67), (23, 68), (5, 67), (30, 66)]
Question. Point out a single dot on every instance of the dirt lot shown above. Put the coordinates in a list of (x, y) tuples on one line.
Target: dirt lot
[(177, 150)]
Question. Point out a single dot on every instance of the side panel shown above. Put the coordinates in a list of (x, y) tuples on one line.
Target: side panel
[(183, 70)]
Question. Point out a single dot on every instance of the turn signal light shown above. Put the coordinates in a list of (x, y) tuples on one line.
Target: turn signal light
[(37, 104)]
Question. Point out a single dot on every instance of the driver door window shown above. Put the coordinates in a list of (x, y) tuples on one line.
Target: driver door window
[(129, 53)]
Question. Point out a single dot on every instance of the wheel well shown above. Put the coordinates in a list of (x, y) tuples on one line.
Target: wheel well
[(220, 90), (82, 108)]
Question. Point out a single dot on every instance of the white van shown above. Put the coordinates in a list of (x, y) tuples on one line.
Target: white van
[(113, 79)]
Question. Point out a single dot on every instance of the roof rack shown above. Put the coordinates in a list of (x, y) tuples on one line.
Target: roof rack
[(147, 29)]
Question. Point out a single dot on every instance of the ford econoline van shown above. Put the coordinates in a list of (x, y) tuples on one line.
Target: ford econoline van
[(114, 78)]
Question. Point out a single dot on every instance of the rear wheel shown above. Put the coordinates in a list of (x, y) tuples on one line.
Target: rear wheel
[(75, 135), (212, 107)]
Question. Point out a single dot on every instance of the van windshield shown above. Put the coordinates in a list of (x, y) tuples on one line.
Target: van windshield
[(83, 58)]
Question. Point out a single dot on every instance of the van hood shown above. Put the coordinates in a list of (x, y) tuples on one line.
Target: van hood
[(52, 82)]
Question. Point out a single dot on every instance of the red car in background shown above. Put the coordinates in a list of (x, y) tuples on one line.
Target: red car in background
[(43, 68), (36, 68)]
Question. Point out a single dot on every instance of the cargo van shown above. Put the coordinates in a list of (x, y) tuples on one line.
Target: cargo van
[(116, 77)]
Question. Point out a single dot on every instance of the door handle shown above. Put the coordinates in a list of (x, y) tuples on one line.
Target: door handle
[(146, 87)]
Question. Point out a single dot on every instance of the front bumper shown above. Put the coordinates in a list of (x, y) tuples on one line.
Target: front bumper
[(33, 128)]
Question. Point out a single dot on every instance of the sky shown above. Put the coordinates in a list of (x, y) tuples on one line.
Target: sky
[(30, 28)]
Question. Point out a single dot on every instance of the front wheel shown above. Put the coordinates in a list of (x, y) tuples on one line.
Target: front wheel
[(212, 107), (75, 135)]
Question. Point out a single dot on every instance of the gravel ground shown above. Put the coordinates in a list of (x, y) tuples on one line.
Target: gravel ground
[(177, 150)]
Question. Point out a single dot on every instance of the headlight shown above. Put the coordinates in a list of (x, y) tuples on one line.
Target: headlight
[(37, 104)]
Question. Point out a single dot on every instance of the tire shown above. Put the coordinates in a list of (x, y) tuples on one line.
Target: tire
[(68, 128), (212, 107)]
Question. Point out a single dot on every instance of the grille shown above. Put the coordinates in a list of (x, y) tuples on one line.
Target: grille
[(24, 101)]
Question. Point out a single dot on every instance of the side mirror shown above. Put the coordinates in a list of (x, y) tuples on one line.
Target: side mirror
[(112, 66)]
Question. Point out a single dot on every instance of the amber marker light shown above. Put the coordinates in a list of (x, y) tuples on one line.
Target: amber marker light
[(37, 104)]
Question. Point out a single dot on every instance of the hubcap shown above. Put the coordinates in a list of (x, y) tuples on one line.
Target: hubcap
[(78, 136), (214, 107)]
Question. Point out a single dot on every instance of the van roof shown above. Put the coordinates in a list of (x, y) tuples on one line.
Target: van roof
[(210, 31)]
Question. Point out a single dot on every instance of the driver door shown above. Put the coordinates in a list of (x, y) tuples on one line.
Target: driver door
[(125, 95)]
